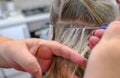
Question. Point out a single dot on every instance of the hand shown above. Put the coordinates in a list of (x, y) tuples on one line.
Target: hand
[(104, 58), (34, 55), (95, 37)]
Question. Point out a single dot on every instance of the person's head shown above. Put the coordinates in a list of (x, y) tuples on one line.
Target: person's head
[(80, 13), (66, 15)]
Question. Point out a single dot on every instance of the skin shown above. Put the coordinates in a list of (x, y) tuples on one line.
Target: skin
[(118, 2), (34, 55), (104, 59), (95, 37)]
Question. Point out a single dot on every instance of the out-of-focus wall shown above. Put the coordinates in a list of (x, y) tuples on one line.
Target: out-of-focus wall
[(28, 4)]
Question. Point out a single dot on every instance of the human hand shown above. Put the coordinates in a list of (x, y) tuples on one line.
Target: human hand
[(35, 55), (95, 37), (104, 58), (97, 34)]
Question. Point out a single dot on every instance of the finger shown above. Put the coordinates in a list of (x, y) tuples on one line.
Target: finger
[(117, 19), (99, 32), (44, 64), (63, 51), (94, 40), (15, 66), (75, 76), (44, 52), (90, 46), (44, 57), (58, 50), (28, 63)]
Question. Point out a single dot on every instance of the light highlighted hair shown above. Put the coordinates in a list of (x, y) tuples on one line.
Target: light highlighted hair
[(72, 22)]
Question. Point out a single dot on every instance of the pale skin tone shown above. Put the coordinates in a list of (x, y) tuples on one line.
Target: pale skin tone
[(96, 36), (22, 54), (34, 55), (104, 59)]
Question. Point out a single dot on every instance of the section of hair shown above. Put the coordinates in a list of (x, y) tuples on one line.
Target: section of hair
[(95, 11), (64, 14)]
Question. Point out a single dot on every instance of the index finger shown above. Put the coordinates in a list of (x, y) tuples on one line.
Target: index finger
[(64, 51)]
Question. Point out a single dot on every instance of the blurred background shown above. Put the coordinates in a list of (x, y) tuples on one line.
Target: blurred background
[(20, 19)]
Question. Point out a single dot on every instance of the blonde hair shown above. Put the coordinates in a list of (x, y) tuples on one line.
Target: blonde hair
[(65, 15)]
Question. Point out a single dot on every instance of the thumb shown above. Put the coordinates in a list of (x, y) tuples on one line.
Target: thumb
[(29, 63)]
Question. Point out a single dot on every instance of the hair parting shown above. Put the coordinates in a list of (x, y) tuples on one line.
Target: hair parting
[(73, 21)]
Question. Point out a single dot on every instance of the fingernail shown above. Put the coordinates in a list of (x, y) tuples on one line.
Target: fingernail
[(93, 32), (83, 62), (89, 37), (79, 60)]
